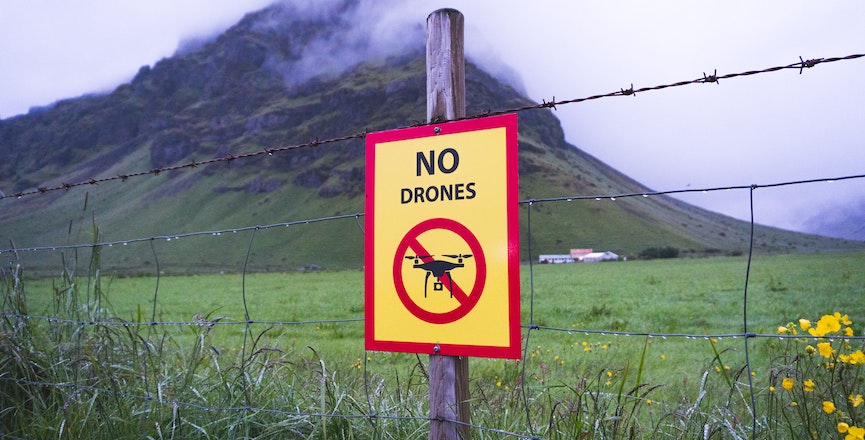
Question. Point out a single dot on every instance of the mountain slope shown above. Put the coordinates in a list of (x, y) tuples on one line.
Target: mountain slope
[(251, 89)]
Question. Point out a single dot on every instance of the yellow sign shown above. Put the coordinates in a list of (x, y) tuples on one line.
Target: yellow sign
[(442, 239)]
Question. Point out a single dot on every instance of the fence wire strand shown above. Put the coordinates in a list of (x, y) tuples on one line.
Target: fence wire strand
[(361, 134)]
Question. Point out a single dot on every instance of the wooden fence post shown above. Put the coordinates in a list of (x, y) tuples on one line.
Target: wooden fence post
[(446, 100)]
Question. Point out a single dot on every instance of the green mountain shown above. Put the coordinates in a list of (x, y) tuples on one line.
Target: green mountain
[(260, 86)]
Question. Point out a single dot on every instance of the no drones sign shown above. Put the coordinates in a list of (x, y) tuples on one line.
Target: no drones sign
[(442, 239)]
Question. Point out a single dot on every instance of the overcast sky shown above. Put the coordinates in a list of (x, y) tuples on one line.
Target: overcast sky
[(762, 129)]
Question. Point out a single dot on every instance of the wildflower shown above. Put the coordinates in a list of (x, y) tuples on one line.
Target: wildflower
[(609, 374), (608, 383), (663, 357), (805, 324), (787, 383), (794, 404), (771, 389), (499, 384), (782, 330), (826, 349), (848, 331), (855, 433), (648, 401), (808, 386), (828, 407), (857, 357), (810, 350), (843, 319), (843, 427), (855, 400), (826, 324)]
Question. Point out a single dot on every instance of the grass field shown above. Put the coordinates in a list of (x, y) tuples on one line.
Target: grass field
[(578, 372)]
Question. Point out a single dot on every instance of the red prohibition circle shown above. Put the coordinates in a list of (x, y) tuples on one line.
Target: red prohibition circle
[(467, 300)]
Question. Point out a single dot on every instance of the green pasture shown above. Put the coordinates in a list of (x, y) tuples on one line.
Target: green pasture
[(581, 311)]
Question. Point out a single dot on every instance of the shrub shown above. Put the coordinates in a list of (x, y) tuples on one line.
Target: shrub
[(659, 252)]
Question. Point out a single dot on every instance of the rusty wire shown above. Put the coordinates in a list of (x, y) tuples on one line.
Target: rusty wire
[(630, 91)]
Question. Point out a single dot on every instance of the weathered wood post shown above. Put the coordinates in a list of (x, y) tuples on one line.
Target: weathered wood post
[(446, 100)]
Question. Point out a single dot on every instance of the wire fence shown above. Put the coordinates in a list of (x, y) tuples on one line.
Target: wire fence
[(360, 134), (143, 329)]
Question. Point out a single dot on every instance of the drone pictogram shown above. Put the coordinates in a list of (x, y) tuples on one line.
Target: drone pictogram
[(438, 268)]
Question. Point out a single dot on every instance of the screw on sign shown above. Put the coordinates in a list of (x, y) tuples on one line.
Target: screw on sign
[(414, 247)]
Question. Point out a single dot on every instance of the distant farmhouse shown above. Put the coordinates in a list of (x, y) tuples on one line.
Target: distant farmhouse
[(555, 259), (578, 256)]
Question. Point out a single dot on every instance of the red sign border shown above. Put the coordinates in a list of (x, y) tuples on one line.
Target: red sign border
[(513, 348)]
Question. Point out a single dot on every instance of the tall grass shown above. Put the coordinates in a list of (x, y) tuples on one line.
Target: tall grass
[(98, 368)]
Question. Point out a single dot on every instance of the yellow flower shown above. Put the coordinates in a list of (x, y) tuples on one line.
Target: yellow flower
[(828, 407), (608, 383), (787, 383), (782, 329), (848, 331), (855, 433), (805, 324), (808, 386), (857, 357), (826, 324), (810, 349), (609, 374), (663, 356), (855, 400), (844, 319), (826, 349), (649, 402), (843, 427), (771, 389)]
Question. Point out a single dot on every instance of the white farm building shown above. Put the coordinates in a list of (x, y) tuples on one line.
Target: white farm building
[(599, 256), (590, 257), (555, 259)]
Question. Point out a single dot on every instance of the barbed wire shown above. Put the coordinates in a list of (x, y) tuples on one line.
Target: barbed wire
[(714, 78), (553, 103)]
